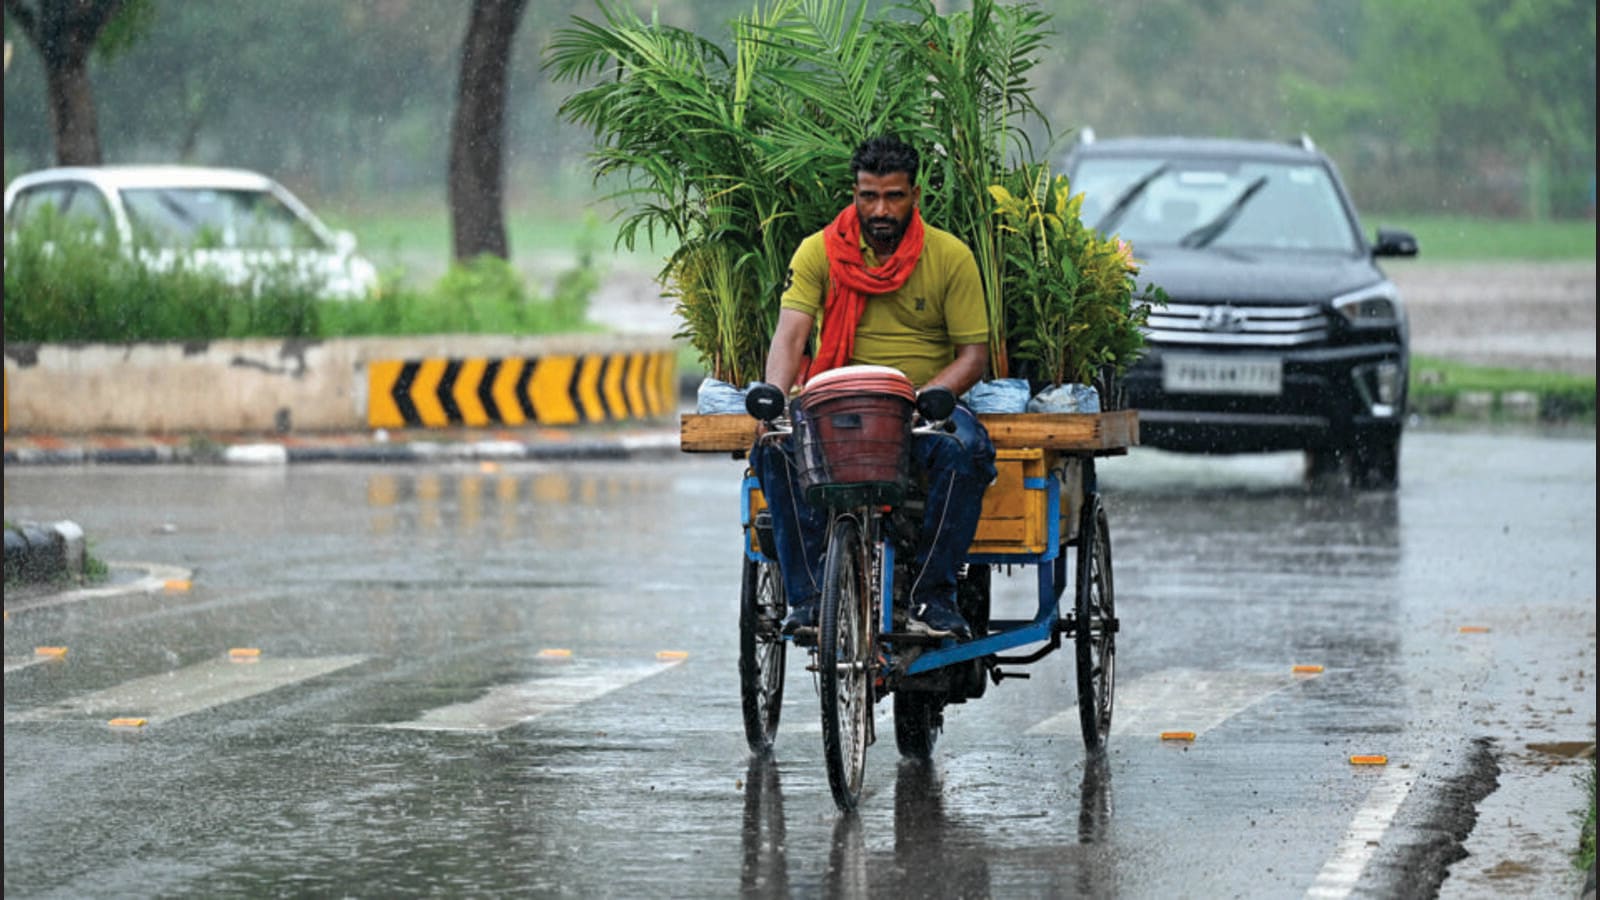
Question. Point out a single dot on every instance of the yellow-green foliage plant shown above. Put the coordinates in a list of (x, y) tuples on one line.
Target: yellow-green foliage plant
[(1072, 304)]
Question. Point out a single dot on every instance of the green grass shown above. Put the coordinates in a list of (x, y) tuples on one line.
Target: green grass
[(1464, 239), (409, 236), (1561, 396), (410, 240), (1584, 858)]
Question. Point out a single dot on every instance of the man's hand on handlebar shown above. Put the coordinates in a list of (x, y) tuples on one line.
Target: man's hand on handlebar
[(764, 401), (766, 404), (936, 403)]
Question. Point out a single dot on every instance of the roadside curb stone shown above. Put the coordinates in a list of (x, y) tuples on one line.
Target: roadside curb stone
[(37, 552), (568, 446)]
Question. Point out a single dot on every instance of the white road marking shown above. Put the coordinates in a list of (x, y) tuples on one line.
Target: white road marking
[(511, 704), (154, 579), (167, 696), (1178, 700), (13, 663), (1342, 872)]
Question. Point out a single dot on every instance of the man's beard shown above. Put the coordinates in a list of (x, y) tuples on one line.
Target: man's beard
[(886, 230)]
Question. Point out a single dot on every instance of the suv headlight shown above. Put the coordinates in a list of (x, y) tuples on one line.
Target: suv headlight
[(1376, 305)]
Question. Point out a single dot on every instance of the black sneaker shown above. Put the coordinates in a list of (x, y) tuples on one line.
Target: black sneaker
[(939, 618), (801, 616)]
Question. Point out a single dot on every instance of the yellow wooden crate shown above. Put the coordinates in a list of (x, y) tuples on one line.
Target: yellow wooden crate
[(755, 502), (1016, 506)]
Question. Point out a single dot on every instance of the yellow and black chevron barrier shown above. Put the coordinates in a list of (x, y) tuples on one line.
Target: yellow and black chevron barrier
[(540, 390)]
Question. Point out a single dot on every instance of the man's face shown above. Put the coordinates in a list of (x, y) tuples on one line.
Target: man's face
[(884, 204)]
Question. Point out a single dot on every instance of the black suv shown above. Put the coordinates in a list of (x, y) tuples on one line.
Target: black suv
[(1280, 331)]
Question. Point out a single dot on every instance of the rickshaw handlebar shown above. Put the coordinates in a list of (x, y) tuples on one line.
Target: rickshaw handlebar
[(766, 403)]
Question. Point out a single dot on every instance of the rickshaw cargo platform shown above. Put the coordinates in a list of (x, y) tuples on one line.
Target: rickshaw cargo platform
[(1097, 434)]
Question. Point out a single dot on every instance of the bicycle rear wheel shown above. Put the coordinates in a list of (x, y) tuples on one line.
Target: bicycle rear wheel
[(918, 719), (762, 652), (1096, 625), (844, 646)]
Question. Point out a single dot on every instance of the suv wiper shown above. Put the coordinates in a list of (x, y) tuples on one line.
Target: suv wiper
[(1125, 199), (1210, 231)]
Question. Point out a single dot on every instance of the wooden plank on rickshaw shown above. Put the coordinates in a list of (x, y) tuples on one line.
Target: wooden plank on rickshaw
[(1099, 434)]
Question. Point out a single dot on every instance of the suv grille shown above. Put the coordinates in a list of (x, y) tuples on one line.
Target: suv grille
[(1255, 326)]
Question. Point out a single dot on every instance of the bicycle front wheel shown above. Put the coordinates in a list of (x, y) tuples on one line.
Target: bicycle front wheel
[(1096, 625), (844, 646), (762, 652)]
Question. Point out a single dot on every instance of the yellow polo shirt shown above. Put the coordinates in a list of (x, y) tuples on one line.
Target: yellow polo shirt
[(916, 328)]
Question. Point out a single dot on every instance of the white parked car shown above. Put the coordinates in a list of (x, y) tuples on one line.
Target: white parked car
[(232, 221)]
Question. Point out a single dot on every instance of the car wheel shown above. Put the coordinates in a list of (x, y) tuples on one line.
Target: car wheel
[(1327, 468), (1377, 464)]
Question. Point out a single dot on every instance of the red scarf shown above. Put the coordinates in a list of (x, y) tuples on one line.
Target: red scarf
[(850, 282)]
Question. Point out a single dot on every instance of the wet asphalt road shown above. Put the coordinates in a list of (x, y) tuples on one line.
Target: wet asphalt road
[(521, 681)]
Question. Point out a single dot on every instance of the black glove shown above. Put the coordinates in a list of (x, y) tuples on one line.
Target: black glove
[(764, 401)]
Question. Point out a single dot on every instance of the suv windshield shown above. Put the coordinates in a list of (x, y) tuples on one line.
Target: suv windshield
[(214, 218), (1243, 204)]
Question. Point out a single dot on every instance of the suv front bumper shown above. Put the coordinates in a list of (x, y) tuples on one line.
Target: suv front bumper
[(1331, 397)]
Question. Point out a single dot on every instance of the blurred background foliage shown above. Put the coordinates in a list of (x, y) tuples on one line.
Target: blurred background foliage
[(1472, 107)]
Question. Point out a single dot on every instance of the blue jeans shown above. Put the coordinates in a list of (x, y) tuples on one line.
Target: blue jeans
[(958, 467)]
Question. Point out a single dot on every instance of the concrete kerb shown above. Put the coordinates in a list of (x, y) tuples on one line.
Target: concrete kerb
[(37, 552), (633, 445), (275, 386), (126, 578)]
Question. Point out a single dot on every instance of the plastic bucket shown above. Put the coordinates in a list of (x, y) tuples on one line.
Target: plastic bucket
[(853, 429)]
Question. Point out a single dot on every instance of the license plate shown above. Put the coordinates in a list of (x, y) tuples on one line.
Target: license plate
[(1198, 373)]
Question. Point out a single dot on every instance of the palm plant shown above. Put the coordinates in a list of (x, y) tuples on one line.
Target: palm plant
[(737, 155), (974, 69)]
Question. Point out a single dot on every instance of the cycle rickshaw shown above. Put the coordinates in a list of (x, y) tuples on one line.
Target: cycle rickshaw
[(1044, 501)]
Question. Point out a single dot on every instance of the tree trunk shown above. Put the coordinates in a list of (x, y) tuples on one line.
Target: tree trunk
[(478, 132), (64, 32), (72, 113)]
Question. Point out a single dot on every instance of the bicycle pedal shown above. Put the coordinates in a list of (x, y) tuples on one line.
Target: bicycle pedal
[(804, 637)]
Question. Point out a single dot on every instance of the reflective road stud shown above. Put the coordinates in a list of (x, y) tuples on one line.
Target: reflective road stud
[(50, 651), (1375, 759), (1474, 629), (672, 654), (244, 654), (1177, 735), (177, 585), (126, 723), (1307, 670), (555, 653)]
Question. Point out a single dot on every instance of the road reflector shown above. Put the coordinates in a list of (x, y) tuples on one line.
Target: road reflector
[(1374, 759), (672, 654), (1177, 735), (488, 468), (556, 652), (50, 651), (177, 585), (248, 654), (126, 723), (1474, 629), (1307, 670)]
